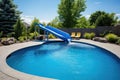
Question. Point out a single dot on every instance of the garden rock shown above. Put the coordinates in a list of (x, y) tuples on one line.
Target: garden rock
[(5, 42), (8, 41), (100, 39), (41, 37), (11, 40)]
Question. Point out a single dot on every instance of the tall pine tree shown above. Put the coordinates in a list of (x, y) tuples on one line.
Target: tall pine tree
[(8, 16), (69, 11)]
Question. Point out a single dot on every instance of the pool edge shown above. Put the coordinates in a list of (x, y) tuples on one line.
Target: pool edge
[(6, 69), (23, 76)]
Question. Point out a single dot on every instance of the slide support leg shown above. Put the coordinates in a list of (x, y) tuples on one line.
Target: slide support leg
[(46, 35)]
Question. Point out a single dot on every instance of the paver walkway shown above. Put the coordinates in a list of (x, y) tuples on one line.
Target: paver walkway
[(3, 49), (6, 77)]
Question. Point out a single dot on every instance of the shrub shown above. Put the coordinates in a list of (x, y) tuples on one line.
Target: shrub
[(92, 35), (33, 35), (21, 38), (111, 37), (105, 33), (118, 41), (25, 37), (89, 35), (36, 33), (51, 36)]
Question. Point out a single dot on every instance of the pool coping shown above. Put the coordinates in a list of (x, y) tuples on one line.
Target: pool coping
[(17, 75)]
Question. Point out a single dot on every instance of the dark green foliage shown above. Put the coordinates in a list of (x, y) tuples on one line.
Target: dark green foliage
[(111, 38), (19, 28), (69, 11), (8, 16), (101, 18), (94, 16), (1, 33)]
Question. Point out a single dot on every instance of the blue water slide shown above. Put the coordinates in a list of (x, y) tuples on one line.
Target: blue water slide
[(58, 33)]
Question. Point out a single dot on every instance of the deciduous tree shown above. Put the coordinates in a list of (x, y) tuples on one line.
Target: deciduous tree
[(33, 26), (69, 11), (101, 18)]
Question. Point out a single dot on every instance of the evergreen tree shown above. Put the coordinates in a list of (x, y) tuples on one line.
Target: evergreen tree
[(19, 28), (8, 16), (69, 11)]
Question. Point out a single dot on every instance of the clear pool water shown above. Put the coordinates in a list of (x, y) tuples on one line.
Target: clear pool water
[(74, 61)]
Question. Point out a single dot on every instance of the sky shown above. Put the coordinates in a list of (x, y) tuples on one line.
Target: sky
[(46, 10)]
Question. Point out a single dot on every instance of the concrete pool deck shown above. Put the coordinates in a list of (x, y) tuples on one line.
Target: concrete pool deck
[(7, 73)]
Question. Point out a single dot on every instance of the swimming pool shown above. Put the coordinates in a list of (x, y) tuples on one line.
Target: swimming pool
[(74, 61)]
